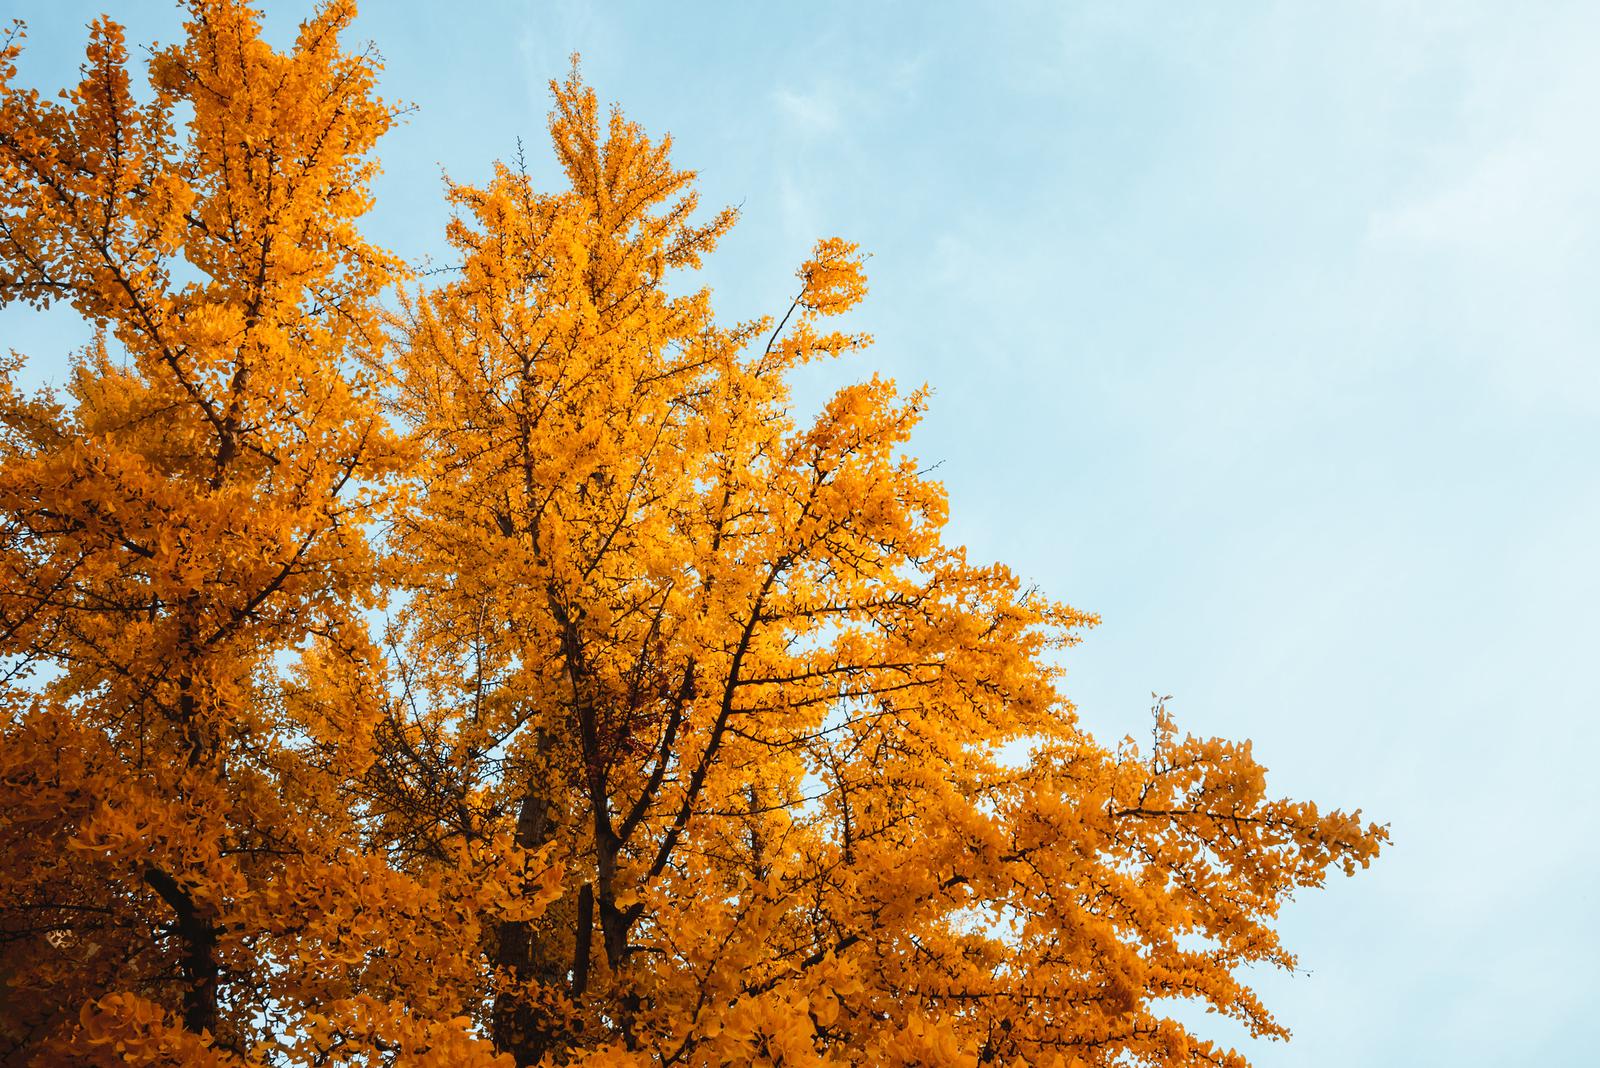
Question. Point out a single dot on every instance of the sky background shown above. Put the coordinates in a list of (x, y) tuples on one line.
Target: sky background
[(1266, 331)]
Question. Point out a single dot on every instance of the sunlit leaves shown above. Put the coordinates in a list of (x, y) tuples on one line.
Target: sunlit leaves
[(515, 675)]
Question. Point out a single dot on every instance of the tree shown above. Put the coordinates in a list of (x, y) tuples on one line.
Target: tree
[(182, 870), (683, 736)]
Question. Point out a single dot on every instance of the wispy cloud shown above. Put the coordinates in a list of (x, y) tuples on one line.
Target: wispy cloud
[(811, 112)]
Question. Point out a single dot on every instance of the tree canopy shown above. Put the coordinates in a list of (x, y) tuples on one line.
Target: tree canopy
[(490, 668)]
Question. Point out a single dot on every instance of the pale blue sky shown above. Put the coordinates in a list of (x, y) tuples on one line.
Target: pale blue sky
[(1265, 331)]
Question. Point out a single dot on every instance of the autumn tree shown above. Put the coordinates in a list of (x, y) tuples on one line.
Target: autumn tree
[(183, 557), (512, 678)]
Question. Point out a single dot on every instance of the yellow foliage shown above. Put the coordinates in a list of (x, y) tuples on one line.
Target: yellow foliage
[(512, 679)]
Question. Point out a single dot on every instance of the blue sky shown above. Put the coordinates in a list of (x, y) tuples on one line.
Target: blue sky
[(1266, 331)]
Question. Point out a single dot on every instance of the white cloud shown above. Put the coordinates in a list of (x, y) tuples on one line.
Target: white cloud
[(811, 113), (1524, 198), (1519, 176)]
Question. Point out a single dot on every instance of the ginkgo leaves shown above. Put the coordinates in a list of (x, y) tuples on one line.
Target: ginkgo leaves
[(178, 523), (512, 679)]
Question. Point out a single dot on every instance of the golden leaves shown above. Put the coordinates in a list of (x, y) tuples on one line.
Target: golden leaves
[(125, 1029), (182, 519), (686, 736), (833, 280)]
